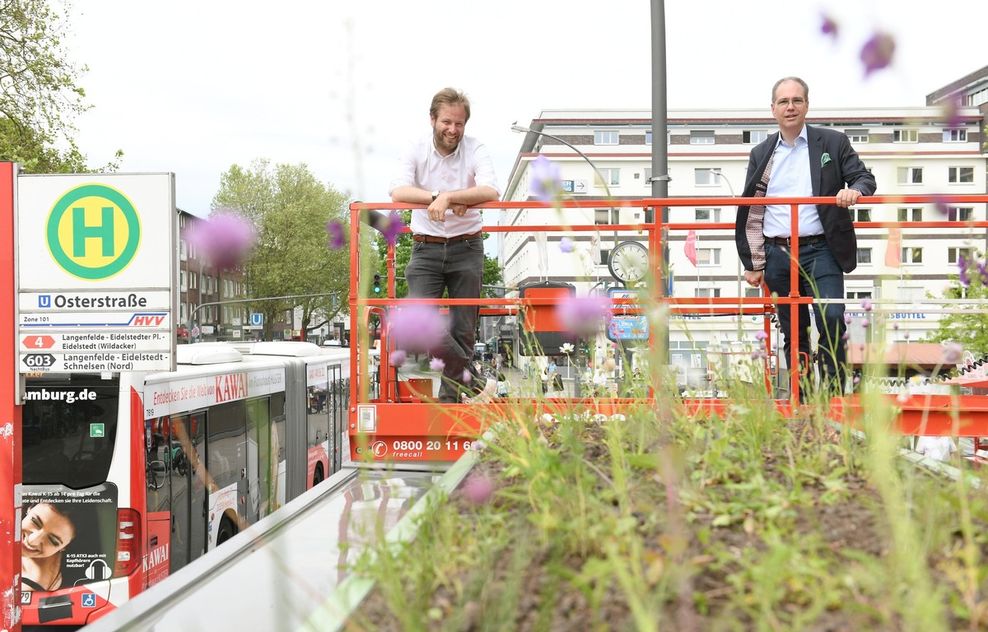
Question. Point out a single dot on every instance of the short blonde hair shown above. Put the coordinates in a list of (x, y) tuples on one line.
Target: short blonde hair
[(449, 96)]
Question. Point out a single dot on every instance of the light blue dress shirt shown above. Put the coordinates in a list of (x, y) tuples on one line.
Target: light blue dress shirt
[(790, 177)]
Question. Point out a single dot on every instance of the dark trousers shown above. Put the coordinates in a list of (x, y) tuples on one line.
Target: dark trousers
[(819, 277), (458, 268)]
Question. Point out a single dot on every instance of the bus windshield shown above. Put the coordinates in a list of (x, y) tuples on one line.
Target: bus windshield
[(70, 423)]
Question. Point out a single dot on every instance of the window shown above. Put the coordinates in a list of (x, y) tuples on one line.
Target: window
[(706, 292), (648, 137), (605, 137), (702, 137), (611, 176), (708, 215), (183, 252), (604, 256), (864, 255), (910, 175), (955, 135), (960, 175), (69, 454), (707, 256), (181, 281), (905, 136), (860, 214), (912, 255), (857, 135), (704, 177), (859, 294), (752, 292), (607, 216), (953, 254), (753, 136), (977, 98), (910, 214), (960, 214)]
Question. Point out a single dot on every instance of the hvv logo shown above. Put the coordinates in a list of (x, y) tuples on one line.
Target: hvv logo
[(44, 301), (147, 320)]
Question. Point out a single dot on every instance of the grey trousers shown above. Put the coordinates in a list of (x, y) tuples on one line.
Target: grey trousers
[(456, 267)]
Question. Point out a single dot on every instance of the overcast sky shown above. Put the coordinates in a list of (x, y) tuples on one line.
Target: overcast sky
[(193, 87)]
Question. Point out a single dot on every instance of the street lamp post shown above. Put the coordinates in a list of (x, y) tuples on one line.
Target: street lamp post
[(600, 177)]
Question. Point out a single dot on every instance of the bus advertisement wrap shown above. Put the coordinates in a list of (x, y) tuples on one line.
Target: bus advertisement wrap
[(68, 537)]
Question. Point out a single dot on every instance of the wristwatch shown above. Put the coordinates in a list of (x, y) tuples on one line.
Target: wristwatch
[(435, 194)]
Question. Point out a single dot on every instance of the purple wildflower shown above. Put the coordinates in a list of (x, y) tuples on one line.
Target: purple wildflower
[(398, 357), (478, 488), (760, 336), (566, 244), (225, 239), (828, 26), (758, 354), (545, 180), (983, 272), (846, 336), (877, 52), (962, 266), (392, 228), (941, 206), (467, 377), (895, 326), (583, 316), (952, 353), (337, 238), (865, 323), (416, 329), (952, 111), (866, 305), (848, 318), (436, 364)]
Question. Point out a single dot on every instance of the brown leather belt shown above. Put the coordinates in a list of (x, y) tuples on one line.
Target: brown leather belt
[(803, 240), (431, 239)]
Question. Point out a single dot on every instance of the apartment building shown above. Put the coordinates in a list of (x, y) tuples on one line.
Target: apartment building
[(909, 150)]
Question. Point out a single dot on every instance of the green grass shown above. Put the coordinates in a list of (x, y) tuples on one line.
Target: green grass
[(660, 521)]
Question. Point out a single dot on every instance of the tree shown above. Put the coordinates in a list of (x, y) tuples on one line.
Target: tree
[(39, 96), (289, 208), (969, 329)]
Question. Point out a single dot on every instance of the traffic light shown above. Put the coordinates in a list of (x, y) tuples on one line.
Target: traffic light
[(377, 284)]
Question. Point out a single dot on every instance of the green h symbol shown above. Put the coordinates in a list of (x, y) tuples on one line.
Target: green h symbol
[(81, 232)]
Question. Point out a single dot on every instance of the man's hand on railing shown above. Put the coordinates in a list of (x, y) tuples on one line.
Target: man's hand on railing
[(847, 197)]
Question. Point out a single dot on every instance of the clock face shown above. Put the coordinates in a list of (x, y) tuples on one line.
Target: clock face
[(629, 262)]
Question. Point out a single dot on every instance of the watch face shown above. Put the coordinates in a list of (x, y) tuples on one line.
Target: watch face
[(629, 262)]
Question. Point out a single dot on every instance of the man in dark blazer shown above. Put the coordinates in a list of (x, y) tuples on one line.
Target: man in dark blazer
[(804, 161)]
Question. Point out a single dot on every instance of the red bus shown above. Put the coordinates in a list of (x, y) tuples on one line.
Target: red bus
[(129, 476)]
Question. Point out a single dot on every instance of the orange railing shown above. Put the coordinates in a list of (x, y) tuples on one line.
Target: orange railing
[(656, 233)]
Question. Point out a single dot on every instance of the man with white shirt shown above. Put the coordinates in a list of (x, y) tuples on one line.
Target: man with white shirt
[(804, 161), (451, 173)]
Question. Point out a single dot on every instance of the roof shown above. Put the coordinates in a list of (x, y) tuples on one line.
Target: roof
[(922, 354)]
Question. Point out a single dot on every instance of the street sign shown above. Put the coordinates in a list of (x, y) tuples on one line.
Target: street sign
[(84, 243), (37, 342), (256, 319)]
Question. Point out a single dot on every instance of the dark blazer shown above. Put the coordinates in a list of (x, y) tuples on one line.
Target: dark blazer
[(843, 167)]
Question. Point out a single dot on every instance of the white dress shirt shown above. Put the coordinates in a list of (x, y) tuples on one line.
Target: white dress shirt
[(790, 177), (424, 167)]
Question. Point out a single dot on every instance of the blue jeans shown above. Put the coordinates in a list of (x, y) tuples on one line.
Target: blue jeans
[(458, 268), (820, 277)]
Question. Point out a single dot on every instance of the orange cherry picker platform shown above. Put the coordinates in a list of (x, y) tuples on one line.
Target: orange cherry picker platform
[(401, 423)]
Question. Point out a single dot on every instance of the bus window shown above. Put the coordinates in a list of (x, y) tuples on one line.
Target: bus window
[(278, 446), (260, 476), (69, 428)]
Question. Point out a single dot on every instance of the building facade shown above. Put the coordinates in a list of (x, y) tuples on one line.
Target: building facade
[(909, 150)]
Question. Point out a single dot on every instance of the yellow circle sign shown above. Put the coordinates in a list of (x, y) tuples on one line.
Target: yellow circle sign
[(93, 232)]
